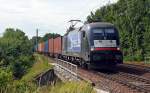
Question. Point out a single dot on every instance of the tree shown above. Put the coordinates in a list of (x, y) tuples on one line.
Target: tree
[(16, 51)]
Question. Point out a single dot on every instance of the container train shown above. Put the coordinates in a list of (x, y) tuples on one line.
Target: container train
[(94, 45)]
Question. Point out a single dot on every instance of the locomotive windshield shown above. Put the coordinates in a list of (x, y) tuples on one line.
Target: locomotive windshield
[(105, 37), (105, 34)]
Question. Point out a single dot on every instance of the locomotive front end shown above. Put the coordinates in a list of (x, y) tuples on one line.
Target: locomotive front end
[(104, 45)]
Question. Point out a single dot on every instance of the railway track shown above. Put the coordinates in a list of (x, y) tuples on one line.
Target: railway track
[(132, 81), (136, 67)]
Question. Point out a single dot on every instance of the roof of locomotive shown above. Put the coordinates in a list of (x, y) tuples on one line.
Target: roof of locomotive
[(100, 24), (93, 25)]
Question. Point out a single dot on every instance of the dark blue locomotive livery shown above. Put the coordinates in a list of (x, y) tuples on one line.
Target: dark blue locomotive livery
[(94, 45)]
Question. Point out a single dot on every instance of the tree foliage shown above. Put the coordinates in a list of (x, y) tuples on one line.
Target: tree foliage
[(15, 51), (5, 79), (132, 18)]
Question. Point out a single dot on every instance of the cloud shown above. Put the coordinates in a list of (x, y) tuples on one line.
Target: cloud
[(47, 15)]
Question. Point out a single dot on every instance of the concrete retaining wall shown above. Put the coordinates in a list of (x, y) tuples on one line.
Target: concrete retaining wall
[(46, 78)]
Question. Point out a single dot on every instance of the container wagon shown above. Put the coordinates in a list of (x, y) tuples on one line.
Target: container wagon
[(42, 47), (46, 47), (58, 47), (51, 47), (39, 47)]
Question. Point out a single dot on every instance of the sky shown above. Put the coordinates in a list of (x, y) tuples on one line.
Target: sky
[(49, 16)]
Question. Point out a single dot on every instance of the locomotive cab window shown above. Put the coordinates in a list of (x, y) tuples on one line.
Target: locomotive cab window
[(104, 33), (105, 37), (98, 33), (110, 34)]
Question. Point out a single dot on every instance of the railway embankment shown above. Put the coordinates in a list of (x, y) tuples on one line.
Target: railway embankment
[(40, 78), (43, 75), (119, 81), (74, 78), (39, 68)]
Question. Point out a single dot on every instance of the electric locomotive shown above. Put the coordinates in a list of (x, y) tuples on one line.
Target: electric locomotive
[(95, 45)]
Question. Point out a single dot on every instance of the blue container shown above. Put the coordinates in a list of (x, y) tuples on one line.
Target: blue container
[(46, 48)]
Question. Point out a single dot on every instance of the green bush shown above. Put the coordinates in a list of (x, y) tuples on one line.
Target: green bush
[(16, 52), (6, 79), (23, 87), (21, 65), (133, 58)]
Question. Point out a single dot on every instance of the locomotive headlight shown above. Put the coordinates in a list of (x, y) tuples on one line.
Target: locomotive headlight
[(92, 48), (118, 48)]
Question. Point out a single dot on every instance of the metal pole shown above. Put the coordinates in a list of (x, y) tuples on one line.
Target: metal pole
[(37, 39), (53, 45)]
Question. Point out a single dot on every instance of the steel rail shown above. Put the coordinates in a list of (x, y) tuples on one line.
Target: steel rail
[(145, 87)]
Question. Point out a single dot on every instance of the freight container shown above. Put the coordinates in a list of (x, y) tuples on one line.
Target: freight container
[(51, 45), (39, 47), (58, 46), (46, 48), (42, 47)]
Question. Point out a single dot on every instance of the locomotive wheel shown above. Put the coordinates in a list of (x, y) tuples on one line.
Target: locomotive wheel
[(89, 67), (86, 66), (82, 64)]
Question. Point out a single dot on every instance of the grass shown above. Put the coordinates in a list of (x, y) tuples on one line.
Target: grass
[(138, 63), (68, 87), (41, 65), (25, 85)]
